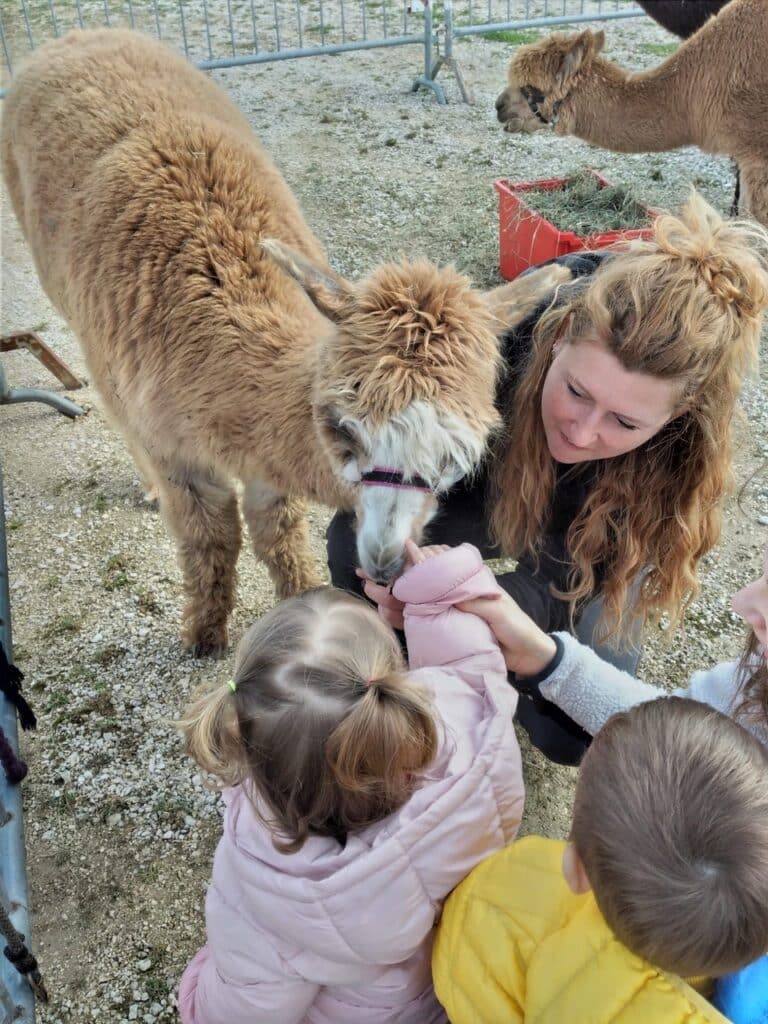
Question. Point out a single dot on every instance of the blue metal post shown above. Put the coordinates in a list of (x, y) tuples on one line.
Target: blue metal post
[(14, 988)]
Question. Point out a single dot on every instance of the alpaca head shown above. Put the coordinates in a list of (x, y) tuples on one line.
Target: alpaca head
[(404, 397), (541, 76)]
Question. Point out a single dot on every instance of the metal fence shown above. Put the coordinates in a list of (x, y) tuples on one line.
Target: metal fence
[(230, 33), (16, 999)]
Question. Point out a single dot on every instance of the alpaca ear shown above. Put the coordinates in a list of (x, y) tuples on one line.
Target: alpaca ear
[(582, 47), (327, 290), (513, 302)]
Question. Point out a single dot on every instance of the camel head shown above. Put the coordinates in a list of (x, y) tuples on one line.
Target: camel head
[(541, 76), (403, 402)]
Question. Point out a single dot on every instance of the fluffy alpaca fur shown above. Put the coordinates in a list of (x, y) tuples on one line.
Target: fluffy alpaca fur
[(145, 197), (712, 93)]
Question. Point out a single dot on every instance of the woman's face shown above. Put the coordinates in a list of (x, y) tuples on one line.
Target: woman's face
[(592, 408), (751, 603)]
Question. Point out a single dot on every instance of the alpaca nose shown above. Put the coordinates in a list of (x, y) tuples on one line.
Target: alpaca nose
[(500, 104), (386, 564)]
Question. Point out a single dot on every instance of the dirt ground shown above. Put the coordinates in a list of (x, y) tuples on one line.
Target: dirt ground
[(120, 832)]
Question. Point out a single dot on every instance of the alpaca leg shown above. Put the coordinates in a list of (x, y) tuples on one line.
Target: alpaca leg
[(201, 511), (754, 191), (735, 203), (146, 468), (511, 303), (280, 537)]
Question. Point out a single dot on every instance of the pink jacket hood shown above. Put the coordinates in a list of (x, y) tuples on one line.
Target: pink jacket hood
[(351, 928)]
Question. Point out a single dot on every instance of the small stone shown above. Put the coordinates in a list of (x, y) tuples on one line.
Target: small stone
[(763, 520), (133, 1012), (144, 965)]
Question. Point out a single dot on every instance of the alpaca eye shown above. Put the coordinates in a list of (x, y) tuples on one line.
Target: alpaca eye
[(450, 474), (346, 438)]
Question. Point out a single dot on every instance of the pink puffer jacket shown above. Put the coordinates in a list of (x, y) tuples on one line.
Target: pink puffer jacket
[(344, 936)]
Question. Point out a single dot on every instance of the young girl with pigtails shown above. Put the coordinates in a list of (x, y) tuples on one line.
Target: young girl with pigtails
[(359, 793)]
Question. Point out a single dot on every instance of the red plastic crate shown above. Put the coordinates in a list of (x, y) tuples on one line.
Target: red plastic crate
[(527, 239)]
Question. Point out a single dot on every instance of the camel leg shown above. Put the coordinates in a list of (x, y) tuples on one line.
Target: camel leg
[(754, 190), (201, 511), (280, 537)]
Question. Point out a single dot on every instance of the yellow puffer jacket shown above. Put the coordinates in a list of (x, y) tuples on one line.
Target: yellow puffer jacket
[(515, 944)]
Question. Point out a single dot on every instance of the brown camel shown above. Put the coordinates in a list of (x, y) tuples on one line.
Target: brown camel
[(712, 93), (162, 232)]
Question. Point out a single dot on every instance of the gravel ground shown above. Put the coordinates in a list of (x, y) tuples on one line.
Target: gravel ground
[(120, 831)]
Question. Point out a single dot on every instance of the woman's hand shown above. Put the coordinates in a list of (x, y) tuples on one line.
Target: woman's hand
[(390, 609), (527, 649)]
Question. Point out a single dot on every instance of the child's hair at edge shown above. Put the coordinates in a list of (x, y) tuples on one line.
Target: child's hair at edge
[(671, 823), (323, 725), (685, 305), (753, 682), (752, 702)]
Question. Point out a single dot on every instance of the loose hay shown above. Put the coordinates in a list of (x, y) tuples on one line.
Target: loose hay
[(585, 207)]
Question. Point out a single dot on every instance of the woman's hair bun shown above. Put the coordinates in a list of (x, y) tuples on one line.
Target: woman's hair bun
[(730, 257)]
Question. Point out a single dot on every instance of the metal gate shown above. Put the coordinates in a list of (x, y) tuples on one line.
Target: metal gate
[(231, 33)]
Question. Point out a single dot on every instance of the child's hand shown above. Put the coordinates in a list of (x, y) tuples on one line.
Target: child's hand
[(416, 555), (526, 648), (390, 609)]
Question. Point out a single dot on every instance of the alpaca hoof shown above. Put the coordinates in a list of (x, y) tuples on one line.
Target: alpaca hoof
[(206, 641)]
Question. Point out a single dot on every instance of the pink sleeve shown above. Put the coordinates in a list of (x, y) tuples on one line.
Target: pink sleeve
[(438, 634), (206, 997)]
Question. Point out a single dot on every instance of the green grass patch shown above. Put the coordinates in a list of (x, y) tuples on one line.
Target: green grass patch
[(511, 37), (63, 625), (658, 49), (115, 576)]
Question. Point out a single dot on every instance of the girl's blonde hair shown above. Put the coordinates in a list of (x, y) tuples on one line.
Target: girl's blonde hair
[(320, 719), (685, 306)]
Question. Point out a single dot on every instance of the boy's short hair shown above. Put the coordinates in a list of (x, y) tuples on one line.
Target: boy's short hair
[(671, 823)]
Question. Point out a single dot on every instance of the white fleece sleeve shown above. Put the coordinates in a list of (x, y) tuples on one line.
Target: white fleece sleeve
[(590, 690)]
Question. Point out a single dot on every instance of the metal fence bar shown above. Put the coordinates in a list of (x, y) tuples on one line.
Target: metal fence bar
[(28, 27), (310, 51), (544, 22), (6, 53), (53, 18), (13, 858), (255, 33), (157, 19)]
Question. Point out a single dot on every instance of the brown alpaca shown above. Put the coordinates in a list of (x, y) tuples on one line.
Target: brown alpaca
[(145, 199), (712, 93)]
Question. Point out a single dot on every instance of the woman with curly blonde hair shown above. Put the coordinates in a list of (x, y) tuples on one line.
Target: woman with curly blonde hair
[(607, 481)]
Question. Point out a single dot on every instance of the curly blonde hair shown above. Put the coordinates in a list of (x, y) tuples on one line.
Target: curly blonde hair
[(684, 306)]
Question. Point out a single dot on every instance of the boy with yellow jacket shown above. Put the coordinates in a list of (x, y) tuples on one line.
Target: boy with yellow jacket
[(665, 878)]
